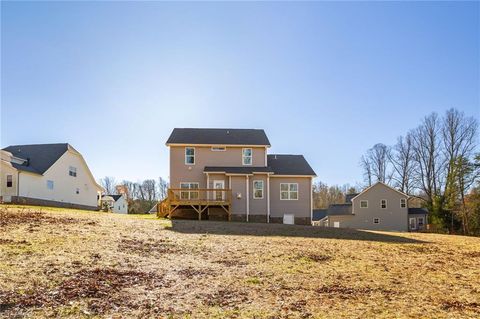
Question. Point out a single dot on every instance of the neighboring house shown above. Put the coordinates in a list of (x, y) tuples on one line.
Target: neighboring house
[(318, 216), (227, 173), (47, 175), (115, 203), (378, 207)]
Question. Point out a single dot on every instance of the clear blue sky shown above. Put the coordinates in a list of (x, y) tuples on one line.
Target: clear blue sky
[(327, 80)]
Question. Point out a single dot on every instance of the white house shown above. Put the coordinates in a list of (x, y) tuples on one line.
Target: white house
[(47, 175), (116, 203)]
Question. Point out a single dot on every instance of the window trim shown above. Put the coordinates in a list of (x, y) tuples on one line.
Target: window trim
[(289, 191), (381, 204), (262, 189), (72, 171), (189, 191), (363, 200), (251, 156), (9, 182), (377, 219), (218, 148), (186, 156), (403, 203), (77, 191)]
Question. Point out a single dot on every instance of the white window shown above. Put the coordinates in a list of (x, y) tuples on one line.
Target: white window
[(77, 191), (383, 203), (9, 180), (247, 156), (288, 191), (50, 184), (376, 220), (364, 204), (72, 171), (218, 149), (189, 195), (336, 224), (258, 189), (190, 155), (403, 202)]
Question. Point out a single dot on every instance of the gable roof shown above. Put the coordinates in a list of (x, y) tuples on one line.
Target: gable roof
[(115, 197), (289, 165), (318, 214), (379, 183), (38, 157), (218, 136), (339, 209)]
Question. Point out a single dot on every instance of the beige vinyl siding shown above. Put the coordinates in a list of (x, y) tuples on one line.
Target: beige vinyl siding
[(300, 207)]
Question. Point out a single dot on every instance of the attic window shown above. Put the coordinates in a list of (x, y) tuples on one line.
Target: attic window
[(403, 202), (50, 184), (9, 180), (72, 171), (383, 203), (218, 148)]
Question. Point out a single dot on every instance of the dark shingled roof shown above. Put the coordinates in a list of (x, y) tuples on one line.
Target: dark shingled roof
[(289, 165), (115, 197), (218, 136), (319, 214), (40, 156), (237, 169), (348, 198), (417, 210), (340, 209)]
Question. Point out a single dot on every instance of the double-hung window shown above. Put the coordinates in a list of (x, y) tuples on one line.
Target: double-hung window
[(383, 203), (364, 204), (247, 156), (9, 180), (258, 189), (376, 220), (189, 155), (72, 171), (50, 184), (189, 194), (288, 191), (403, 202)]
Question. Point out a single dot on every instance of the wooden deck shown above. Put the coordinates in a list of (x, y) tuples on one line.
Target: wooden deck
[(198, 199)]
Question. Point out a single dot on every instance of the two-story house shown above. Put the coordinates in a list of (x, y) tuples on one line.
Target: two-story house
[(378, 207), (47, 175), (228, 173)]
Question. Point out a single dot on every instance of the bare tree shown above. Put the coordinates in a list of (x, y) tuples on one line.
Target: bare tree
[(402, 160), (162, 188), (459, 141), (427, 155), (108, 183), (149, 191), (375, 164)]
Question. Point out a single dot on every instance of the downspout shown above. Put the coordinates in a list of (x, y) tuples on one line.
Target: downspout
[(208, 186), (18, 184), (311, 200), (268, 198), (248, 198)]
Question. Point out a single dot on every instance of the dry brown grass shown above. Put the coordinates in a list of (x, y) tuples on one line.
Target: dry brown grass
[(65, 263)]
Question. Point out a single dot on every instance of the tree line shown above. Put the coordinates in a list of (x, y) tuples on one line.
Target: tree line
[(438, 162), (141, 195)]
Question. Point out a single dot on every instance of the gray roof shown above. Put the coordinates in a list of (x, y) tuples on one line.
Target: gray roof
[(348, 197), (237, 169), (39, 157), (319, 214), (289, 165), (218, 136), (340, 209), (115, 197), (417, 210)]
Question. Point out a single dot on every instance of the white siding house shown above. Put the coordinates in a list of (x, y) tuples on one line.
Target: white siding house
[(48, 175), (116, 203)]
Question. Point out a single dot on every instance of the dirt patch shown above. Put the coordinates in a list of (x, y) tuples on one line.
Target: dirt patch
[(190, 272), (32, 218), (345, 292), (313, 257), (225, 298), (146, 248), (461, 306), (473, 254), (13, 242), (100, 287), (231, 262)]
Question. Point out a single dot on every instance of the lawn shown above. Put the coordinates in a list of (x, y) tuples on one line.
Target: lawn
[(67, 263)]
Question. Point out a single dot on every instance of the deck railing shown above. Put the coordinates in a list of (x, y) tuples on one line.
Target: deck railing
[(199, 195)]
